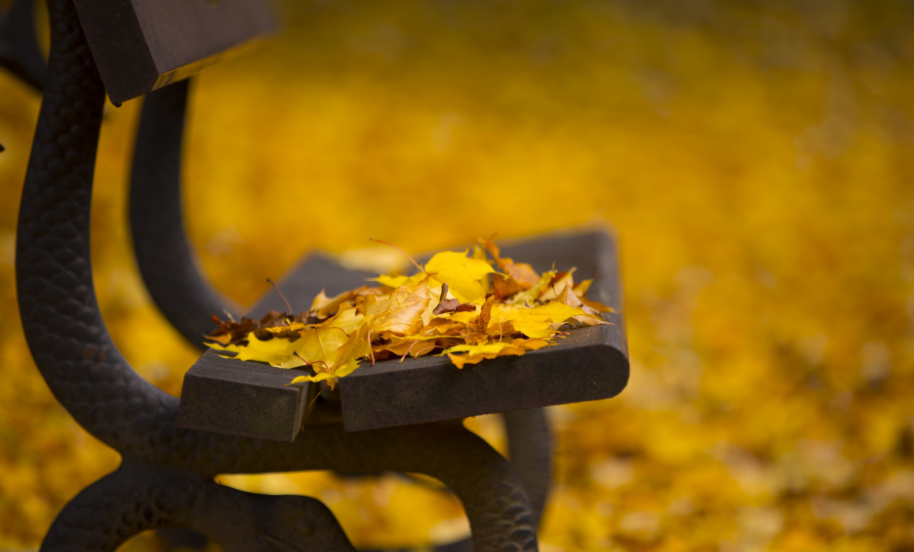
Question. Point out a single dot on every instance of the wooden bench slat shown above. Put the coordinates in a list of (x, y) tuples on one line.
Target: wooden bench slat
[(590, 363), (250, 398), (142, 45)]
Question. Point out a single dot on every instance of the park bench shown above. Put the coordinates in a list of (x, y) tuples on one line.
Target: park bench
[(403, 413)]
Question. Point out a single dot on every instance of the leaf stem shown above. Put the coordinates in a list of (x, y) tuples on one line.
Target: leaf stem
[(281, 296), (405, 254), (311, 364)]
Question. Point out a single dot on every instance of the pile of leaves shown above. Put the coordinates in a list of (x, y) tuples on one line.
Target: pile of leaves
[(469, 308)]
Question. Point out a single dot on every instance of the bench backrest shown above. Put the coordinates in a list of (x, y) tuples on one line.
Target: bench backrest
[(142, 45)]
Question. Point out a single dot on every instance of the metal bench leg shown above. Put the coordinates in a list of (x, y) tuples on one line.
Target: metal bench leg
[(102, 516), (137, 498)]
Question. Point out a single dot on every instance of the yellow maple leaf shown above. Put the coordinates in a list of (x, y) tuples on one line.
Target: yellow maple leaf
[(320, 345), (415, 345), (441, 325), (347, 320), (276, 352), (399, 318), (346, 360), (462, 274), (474, 353), (582, 287), (531, 295), (538, 322), (518, 276), (324, 306), (567, 296), (313, 345), (322, 376), (581, 291), (561, 281), (332, 378), (399, 280), (403, 315), (462, 355), (463, 317), (476, 331)]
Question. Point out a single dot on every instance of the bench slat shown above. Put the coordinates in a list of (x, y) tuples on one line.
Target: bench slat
[(590, 364), (142, 45)]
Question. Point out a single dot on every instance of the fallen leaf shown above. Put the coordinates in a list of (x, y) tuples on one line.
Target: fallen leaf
[(324, 306), (538, 322), (476, 332), (462, 355), (518, 276), (444, 309), (474, 353), (404, 311), (462, 274), (532, 295), (444, 304)]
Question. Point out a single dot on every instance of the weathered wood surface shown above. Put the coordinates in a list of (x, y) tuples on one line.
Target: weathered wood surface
[(142, 45), (250, 398), (590, 364)]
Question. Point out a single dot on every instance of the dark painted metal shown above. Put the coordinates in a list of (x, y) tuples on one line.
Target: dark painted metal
[(530, 453), (164, 256), (19, 52), (166, 477)]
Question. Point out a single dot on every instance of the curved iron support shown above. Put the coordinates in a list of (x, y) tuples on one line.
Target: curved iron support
[(167, 263), (137, 498), (19, 52), (530, 451), (90, 378)]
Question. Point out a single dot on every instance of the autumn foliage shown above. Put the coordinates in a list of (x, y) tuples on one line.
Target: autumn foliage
[(455, 305), (754, 158)]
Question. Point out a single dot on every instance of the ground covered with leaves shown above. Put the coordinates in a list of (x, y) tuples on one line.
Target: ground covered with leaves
[(755, 159)]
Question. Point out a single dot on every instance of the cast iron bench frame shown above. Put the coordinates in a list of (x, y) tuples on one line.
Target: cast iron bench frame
[(166, 476)]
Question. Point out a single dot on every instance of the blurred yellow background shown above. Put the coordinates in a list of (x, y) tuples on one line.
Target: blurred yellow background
[(755, 158)]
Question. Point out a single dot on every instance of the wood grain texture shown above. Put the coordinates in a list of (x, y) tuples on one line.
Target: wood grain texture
[(142, 45), (243, 398), (588, 365)]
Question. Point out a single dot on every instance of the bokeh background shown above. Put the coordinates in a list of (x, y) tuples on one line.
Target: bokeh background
[(755, 158)]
